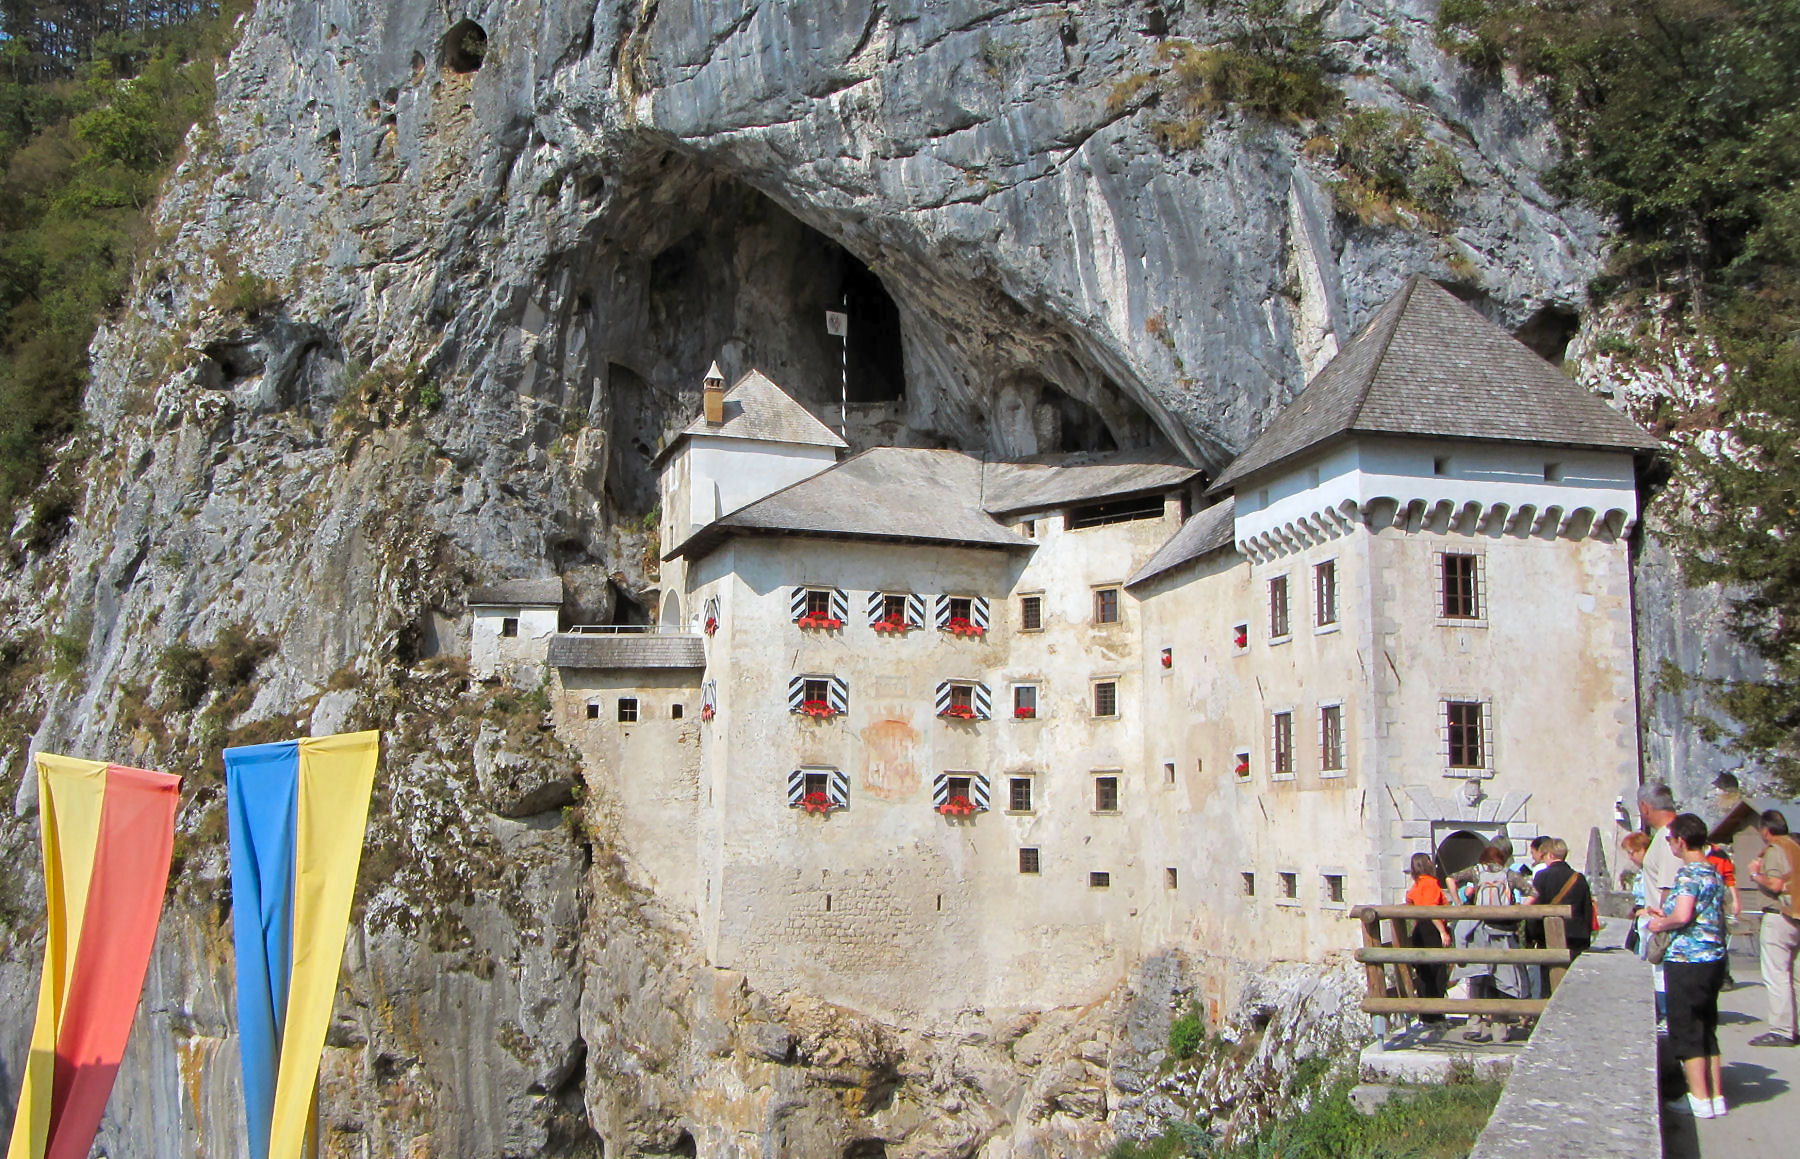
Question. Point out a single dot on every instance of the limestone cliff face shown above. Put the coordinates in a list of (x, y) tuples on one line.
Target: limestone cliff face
[(426, 296)]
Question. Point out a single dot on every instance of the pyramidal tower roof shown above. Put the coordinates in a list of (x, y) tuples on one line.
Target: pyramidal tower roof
[(1426, 365), (755, 408)]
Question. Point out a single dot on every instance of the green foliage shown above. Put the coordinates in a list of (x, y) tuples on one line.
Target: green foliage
[(226, 666), (89, 124), (183, 670), (248, 294), (431, 396), (1389, 166), (1681, 118), (1187, 1033)]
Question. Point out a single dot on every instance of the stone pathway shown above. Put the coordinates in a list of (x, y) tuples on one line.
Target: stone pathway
[(1762, 1085)]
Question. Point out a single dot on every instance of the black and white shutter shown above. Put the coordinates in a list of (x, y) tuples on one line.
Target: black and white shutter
[(984, 702), (942, 618), (978, 613), (943, 696), (796, 788), (839, 791), (711, 610), (915, 610), (877, 604), (796, 693), (840, 606), (838, 694), (940, 790), (709, 696), (978, 792), (797, 603)]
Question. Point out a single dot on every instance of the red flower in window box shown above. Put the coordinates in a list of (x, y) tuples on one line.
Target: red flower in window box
[(827, 622), (957, 807), (1025, 712), (817, 802), (1243, 766), (712, 624), (894, 624), (1168, 659), (960, 712), (819, 708), (962, 627), (1240, 637), (706, 712)]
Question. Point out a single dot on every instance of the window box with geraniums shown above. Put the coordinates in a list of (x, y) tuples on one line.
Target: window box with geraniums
[(892, 625), (817, 802), (712, 624), (959, 712), (826, 623), (707, 712), (820, 709), (961, 627), (957, 807), (1025, 712)]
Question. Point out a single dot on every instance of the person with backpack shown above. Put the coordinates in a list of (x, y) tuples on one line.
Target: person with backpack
[(1492, 885), (1776, 875), (1558, 883)]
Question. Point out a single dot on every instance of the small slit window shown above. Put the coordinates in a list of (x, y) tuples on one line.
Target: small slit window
[(1099, 879), (1281, 746), (676, 711), (1331, 739), (1248, 885), (593, 711), (1169, 877), (1278, 608), (1325, 596), (1115, 511), (1289, 883), (509, 626), (1332, 885)]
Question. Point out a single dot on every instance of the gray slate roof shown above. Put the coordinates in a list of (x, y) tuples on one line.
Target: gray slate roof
[(1205, 530), (755, 408), (524, 593), (1428, 365), (1054, 481), (580, 650), (891, 493)]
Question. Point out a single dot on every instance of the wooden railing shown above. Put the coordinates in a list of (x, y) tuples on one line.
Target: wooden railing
[(1376, 956)]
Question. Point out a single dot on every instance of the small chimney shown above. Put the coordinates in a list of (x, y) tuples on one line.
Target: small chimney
[(713, 395)]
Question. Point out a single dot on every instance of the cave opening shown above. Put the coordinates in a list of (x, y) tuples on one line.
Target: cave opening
[(875, 365), (465, 46), (1548, 331), (685, 1146)]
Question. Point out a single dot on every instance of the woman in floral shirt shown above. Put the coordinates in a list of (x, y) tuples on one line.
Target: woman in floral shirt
[(1694, 967)]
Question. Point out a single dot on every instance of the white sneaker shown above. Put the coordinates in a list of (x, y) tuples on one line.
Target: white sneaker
[(1702, 1108), (1718, 1107)]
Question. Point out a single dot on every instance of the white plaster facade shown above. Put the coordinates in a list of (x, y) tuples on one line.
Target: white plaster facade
[(508, 641)]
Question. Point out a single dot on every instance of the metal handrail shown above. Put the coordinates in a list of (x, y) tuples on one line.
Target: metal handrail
[(627, 630)]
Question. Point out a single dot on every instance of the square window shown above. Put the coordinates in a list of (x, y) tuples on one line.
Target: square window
[(1553, 472), (1333, 887), (818, 603), (1463, 726), (1106, 698), (1240, 637), (1031, 613), (1241, 764), (1440, 466), (1278, 607), (1460, 576), (1169, 877), (675, 711), (593, 712), (962, 696), (1018, 797), (1099, 879), (1249, 885), (817, 783), (959, 788), (1106, 605), (1028, 528), (893, 609), (1028, 860), (1331, 738), (1106, 794), (509, 626), (962, 608), (628, 709), (816, 690), (1325, 604), (1290, 886), (1281, 753), (1025, 701)]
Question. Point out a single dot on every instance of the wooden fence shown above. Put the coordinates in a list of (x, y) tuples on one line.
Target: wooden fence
[(1376, 956)]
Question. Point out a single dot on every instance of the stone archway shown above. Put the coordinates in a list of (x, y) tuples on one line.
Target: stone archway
[(1458, 851), (671, 610)]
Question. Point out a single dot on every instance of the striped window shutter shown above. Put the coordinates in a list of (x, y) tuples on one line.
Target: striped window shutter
[(839, 694), (943, 697), (942, 619), (797, 604), (711, 611), (840, 788), (796, 693), (984, 702), (978, 612), (840, 605), (709, 696), (796, 788), (915, 610), (978, 792), (876, 603), (940, 790)]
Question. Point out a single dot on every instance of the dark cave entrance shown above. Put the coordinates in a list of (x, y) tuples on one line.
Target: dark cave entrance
[(876, 365)]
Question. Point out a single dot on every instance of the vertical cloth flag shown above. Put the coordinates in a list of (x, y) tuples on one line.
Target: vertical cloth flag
[(298, 810), (107, 832)]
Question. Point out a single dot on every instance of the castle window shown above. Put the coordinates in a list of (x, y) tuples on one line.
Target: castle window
[(818, 790), (1466, 734), (1031, 613), (959, 794), (1106, 605), (1289, 885), (1115, 511), (1440, 465), (1099, 879), (1240, 765), (675, 711), (963, 615), (1553, 472), (509, 626), (1018, 798), (1025, 702), (1459, 581), (1169, 877), (896, 612), (1325, 602), (961, 607), (1332, 885), (1249, 883), (1028, 860), (818, 607), (1106, 698), (593, 711), (1106, 793), (1169, 773), (964, 700), (1331, 740), (822, 697), (628, 709), (818, 603), (1240, 639), (1278, 608), (1281, 746)]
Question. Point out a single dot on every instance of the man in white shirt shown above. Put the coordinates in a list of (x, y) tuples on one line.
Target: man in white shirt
[(1656, 808)]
